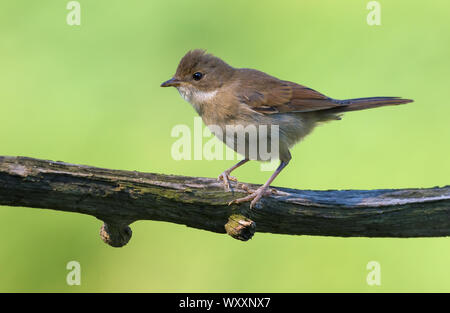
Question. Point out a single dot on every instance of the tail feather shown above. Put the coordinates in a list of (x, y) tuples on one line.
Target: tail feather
[(367, 103)]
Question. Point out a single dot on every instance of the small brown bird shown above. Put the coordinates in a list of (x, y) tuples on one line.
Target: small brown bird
[(223, 95)]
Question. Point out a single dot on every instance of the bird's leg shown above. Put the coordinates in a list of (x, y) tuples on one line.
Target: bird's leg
[(225, 176), (263, 190)]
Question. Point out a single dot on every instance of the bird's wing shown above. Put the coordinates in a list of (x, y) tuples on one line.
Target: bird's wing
[(268, 95)]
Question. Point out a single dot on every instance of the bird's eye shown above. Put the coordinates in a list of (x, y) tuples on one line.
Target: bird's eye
[(197, 76)]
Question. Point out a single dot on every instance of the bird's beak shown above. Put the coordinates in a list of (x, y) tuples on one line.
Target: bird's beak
[(173, 82)]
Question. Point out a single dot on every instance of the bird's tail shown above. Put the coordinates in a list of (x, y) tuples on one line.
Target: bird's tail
[(367, 103)]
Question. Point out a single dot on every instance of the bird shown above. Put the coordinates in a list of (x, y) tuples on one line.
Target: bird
[(227, 96)]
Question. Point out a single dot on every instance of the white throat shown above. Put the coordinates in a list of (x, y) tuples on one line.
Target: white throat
[(196, 97)]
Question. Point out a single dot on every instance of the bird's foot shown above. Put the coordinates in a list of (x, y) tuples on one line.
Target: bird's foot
[(226, 178), (254, 196)]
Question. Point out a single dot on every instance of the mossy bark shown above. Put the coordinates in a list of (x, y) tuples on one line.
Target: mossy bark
[(122, 197)]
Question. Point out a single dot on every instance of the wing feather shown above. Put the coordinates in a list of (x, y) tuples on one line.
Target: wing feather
[(269, 95)]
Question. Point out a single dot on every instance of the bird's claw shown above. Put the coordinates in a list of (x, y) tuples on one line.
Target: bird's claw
[(250, 190), (226, 178), (254, 196)]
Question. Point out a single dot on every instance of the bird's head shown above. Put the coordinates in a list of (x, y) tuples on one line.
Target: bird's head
[(199, 71)]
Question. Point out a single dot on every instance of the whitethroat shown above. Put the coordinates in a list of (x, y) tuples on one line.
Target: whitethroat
[(223, 95)]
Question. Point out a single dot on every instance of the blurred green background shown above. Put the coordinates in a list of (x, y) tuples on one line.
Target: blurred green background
[(90, 94)]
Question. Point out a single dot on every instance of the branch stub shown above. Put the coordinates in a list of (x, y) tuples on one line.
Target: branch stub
[(115, 235), (240, 227)]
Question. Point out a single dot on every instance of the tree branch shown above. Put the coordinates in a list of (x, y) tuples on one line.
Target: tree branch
[(122, 197)]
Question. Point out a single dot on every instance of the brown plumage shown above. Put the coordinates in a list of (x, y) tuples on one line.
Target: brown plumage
[(224, 96)]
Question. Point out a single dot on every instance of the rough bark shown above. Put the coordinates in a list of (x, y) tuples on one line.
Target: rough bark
[(121, 197)]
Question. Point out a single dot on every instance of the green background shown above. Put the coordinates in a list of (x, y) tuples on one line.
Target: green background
[(90, 94)]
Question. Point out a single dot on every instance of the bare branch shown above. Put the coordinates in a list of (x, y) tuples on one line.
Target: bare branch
[(122, 197)]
